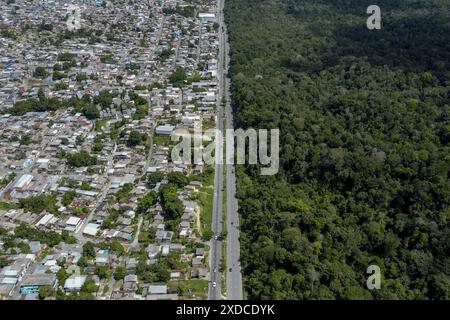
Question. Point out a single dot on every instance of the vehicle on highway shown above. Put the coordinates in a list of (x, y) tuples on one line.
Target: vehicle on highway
[(215, 270), (230, 269), (214, 284)]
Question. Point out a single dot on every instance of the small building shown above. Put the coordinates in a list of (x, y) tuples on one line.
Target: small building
[(168, 296), (165, 250), (206, 17), (91, 229), (131, 264), (200, 252), (157, 289), (74, 283), (32, 283), (23, 181), (73, 224), (35, 246), (102, 258), (176, 275), (197, 261), (153, 250), (200, 273), (130, 283), (165, 130)]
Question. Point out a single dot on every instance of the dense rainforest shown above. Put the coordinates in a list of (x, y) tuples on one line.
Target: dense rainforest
[(364, 147)]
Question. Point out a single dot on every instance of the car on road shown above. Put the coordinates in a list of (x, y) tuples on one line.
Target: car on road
[(215, 270), (214, 284), (231, 269), (216, 237)]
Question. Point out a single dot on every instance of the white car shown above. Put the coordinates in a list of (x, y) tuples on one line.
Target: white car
[(214, 284)]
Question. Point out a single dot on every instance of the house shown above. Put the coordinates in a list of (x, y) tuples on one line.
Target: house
[(14, 272), (176, 275), (191, 188), (157, 289), (165, 130), (124, 221), (129, 214), (125, 236), (5, 289), (185, 232), (130, 283), (91, 229), (206, 17), (74, 283), (168, 296), (94, 278), (46, 220), (185, 224), (32, 283), (153, 250), (158, 219), (197, 261), (73, 224), (35, 246), (176, 247), (165, 250), (131, 264), (164, 236), (200, 252), (196, 184), (200, 273), (161, 226), (102, 258)]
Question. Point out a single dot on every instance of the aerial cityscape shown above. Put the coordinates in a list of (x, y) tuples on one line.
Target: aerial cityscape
[(97, 207), (97, 96)]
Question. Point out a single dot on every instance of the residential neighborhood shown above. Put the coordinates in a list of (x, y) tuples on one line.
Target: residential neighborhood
[(91, 204)]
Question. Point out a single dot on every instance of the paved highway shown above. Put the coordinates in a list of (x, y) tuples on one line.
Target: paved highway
[(214, 292), (234, 275), (233, 272)]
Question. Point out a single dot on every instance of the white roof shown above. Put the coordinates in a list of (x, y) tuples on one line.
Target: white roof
[(45, 219), (10, 272), (73, 221), (74, 282), (206, 15), (91, 229)]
